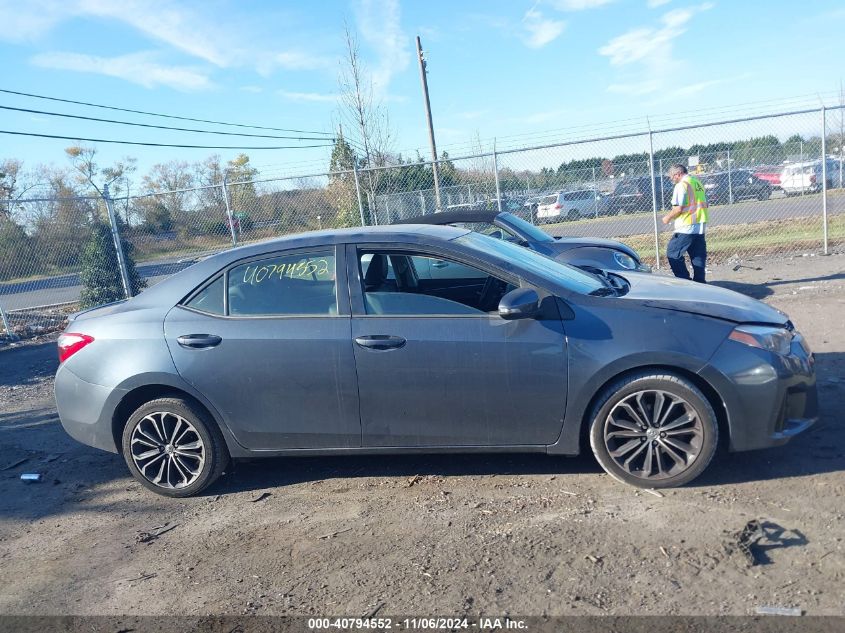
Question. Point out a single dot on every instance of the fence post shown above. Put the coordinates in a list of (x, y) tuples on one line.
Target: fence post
[(422, 202), (653, 198), (6, 327), (595, 195), (118, 246), (730, 184), (358, 192), (824, 176), (229, 217), (496, 176)]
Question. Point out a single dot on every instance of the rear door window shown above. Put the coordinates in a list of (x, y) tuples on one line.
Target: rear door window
[(301, 284)]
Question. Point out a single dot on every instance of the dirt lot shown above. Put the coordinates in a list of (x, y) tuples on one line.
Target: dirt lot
[(525, 535)]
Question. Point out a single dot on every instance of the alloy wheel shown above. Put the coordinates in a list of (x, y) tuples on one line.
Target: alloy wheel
[(653, 434), (167, 450)]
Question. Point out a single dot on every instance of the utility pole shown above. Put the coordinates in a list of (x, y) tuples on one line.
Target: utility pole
[(430, 124)]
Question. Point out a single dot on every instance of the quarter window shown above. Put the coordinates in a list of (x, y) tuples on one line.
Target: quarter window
[(210, 298), (285, 285)]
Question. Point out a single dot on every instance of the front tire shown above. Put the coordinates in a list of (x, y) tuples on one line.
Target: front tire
[(173, 447), (653, 430)]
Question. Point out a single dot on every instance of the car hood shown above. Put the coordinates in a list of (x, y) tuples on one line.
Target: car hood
[(563, 244), (666, 293)]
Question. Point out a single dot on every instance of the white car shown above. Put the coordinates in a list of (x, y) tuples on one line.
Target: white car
[(571, 205), (806, 177)]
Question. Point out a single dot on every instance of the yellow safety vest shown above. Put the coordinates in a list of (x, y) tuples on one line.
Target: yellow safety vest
[(695, 209)]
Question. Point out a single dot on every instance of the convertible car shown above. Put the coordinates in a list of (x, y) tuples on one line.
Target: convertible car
[(590, 253)]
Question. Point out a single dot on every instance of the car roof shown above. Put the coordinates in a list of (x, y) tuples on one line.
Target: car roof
[(172, 289), (453, 216)]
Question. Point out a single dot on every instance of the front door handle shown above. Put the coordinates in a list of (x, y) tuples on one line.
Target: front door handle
[(199, 341), (380, 342), (439, 264)]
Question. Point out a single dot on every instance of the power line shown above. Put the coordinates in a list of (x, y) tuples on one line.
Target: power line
[(166, 116), (161, 127), (100, 140)]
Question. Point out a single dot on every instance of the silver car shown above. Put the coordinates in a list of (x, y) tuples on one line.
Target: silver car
[(333, 343)]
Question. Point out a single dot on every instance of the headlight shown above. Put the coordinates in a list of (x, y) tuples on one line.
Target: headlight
[(772, 339), (625, 261)]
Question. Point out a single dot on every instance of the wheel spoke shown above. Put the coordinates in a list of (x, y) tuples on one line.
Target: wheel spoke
[(628, 461), (681, 446), (138, 440), (185, 467), (634, 414), (141, 432), (678, 459), (637, 433), (176, 428), (631, 426), (148, 454), (686, 418), (192, 446), (659, 399), (667, 410), (627, 447)]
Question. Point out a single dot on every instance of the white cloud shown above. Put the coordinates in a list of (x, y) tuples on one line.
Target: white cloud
[(138, 68), (651, 48), (578, 5), (184, 30), (309, 96), (379, 23), (653, 4), (540, 30), (24, 22)]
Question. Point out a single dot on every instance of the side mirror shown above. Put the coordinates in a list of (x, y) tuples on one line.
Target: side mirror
[(522, 303)]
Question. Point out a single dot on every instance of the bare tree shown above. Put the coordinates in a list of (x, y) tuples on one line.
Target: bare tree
[(83, 161), (368, 124)]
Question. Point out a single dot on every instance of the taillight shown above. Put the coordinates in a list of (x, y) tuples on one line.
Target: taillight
[(813, 179), (70, 343), (557, 205)]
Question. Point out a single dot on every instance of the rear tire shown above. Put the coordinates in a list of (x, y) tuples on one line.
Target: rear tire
[(173, 447), (653, 430)]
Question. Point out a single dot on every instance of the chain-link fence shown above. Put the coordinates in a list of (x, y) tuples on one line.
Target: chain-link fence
[(774, 185)]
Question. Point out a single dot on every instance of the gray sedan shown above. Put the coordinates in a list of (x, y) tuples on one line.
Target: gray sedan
[(343, 342)]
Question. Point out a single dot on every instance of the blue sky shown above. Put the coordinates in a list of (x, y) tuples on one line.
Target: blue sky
[(522, 72)]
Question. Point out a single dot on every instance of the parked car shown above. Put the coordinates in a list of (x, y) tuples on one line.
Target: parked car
[(633, 195), (570, 205), (770, 175), (589, 253), (739, 184), (294, 347), (807, 177)]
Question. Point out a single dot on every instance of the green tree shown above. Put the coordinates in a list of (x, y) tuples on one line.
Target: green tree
[(341, 192), (16, 250), (100, 274)]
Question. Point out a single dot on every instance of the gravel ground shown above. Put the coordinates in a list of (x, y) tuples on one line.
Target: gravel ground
[(446, 535)]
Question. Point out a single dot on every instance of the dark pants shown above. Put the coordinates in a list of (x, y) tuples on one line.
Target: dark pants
[(696, 247)]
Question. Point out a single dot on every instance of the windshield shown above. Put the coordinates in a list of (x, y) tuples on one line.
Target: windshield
[(526, 230), (521, 258)]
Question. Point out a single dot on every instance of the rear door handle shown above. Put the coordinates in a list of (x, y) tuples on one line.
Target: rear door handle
[(380, 342), (199, 341), (439, 264)]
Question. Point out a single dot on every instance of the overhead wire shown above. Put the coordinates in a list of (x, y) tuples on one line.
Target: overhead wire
[(162, 127), (167, 116), (100, 140)]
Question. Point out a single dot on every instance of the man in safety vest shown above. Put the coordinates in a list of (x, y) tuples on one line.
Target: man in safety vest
[(689, 211)]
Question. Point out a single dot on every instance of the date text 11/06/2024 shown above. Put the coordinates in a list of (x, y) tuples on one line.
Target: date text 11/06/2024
[(417, 624)]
